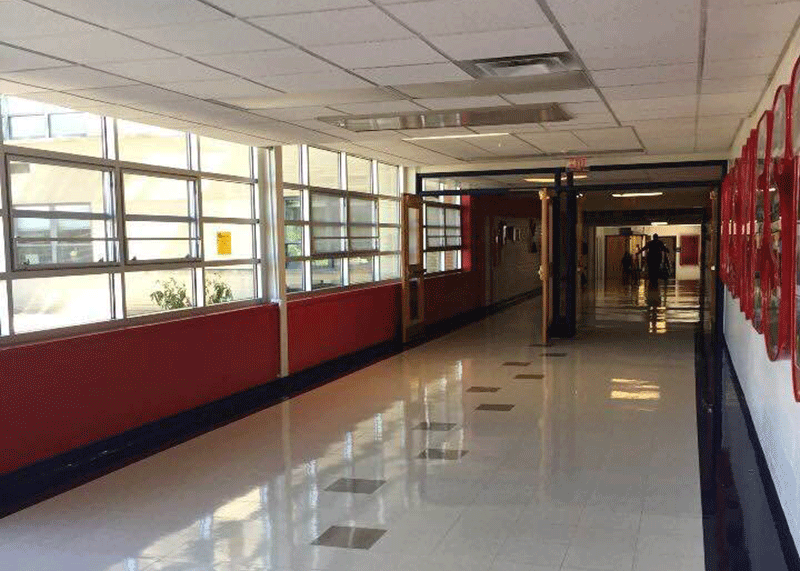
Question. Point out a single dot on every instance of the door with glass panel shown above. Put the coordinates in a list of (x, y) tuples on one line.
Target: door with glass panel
[(413, 269)]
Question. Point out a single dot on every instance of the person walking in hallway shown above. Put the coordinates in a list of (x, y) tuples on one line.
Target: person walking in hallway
[(654, 251)]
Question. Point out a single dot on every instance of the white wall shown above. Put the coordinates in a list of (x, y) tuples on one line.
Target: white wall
[(681, 272), (767, 388)]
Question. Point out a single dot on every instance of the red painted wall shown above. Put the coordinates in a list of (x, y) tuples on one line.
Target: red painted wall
[(63, 394), (324, 327)]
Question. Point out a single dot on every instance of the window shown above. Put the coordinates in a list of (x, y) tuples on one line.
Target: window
[(338, 237), (93, 238), (443, 234)]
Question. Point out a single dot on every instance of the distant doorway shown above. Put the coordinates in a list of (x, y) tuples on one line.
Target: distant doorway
[(616, 246)]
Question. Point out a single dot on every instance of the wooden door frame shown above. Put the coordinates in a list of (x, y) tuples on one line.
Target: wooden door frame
[(412, 327)]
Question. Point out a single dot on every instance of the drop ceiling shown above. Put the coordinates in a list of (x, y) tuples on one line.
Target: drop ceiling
[(658, 78)]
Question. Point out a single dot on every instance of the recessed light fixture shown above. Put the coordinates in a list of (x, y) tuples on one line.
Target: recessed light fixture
[(546, 180), (635, 194), (659, 223), (469, 136)]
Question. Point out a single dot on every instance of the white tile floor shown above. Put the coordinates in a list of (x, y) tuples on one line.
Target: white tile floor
[(595, 468)]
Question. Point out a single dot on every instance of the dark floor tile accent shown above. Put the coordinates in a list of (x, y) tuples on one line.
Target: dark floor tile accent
[(435, 426), (483, 389), (349, 537), (516, 363), (355, 486), (438, 454), (554, 354), (496, 407), (538, 345), (529, 377)]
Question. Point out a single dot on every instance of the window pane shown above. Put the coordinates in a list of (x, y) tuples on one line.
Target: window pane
[(62, 241), (224, 285), (327, 208), (389, 212), (160, 241), (39, 186), (224, 157), (362, 211), (2, 250), (4, 326), (293, 237), (363, 239), (452, 260), (227, 199), (323, 168), (47, 303), (388, 180), (152, 145), (157, 196), (451, 199), (359, 174), (216, 241), (433, 262), (155, 291), (390, 267), (292, 204), (453, 236), (434, 238), (361, 270), (291, 163), (453, 217), (434, 216), (326, 273), (328, 239), (295, 276), (390, 239), (51, 128)]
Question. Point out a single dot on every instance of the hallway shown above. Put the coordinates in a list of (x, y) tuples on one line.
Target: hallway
[(477, 451)]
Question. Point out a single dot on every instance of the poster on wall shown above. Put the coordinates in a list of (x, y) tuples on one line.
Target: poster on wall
[(690, 250)]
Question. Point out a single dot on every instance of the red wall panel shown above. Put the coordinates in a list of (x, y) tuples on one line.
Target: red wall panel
[(63, 394), (324, 327)]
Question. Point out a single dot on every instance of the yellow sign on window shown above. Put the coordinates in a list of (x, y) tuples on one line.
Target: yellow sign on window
[(224, 244)]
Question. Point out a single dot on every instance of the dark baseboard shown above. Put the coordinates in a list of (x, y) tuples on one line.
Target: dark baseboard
[(47, 478)]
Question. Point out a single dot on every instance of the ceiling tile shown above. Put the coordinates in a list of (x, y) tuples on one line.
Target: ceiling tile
[(401, 106), (130, 94), (11, 88), (580, 11), (504, 146), (205, 38), (578, 109), (645, 55), (296, 113), (562, 142), (457, 148), (635, 31), (501, 43), (93, 47), (510, 128), (12, 59), (24, 20), (342, 26), (742, 46), (617, 138), (462, 102), (136, 13), (439, 17), (251, 8), (379, 54), (667, 126), (66, 100), (735, 84), (66, 78), (646, 74), (779, 16), (436, 132), (219, 88), (164, 70), (267, 63), (650, 90), (305, 82), (567, 96), (413, 74), (586, 121), (728, 103), (722, 69)]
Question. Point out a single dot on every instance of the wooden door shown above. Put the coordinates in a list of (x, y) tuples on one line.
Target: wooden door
[(413, 290), (545, 267), (616, 246)]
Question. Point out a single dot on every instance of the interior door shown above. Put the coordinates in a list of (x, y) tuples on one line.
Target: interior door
[(545, 267), (616, 246), (413, 291)]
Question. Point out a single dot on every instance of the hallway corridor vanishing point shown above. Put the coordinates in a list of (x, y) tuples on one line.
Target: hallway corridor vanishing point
[(477, 451)]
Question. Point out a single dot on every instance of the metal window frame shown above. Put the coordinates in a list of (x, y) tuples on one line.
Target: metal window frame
[(443, 227)]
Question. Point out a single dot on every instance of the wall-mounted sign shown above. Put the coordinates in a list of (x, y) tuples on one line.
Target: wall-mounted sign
[(224, 244), (577, 164)]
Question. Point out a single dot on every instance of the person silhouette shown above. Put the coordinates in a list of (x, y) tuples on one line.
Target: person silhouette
[(654, 251)]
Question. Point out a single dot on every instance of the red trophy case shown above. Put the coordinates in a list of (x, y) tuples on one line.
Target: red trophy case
[(758, 233), (790, 257), (744, 238), (725, 229), (734, 270), (777, 277)]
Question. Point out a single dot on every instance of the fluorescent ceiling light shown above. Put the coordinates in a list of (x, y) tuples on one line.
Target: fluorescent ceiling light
[(546, 180), (470, 136), (659, 223), (636, 194)]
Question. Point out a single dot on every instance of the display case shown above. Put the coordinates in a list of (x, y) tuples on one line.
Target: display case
[(725, 229), (758, 208), (779, 225), (745, 225), (791, 227)]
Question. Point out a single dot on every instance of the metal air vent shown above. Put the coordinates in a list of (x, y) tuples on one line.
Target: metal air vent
[(520, 66)]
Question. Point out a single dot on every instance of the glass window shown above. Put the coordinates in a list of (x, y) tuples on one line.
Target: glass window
[(291, 164), (359, 174), (389, 212), (361, 270), (157, 291), (5, 328), (434, 216), (362, 211), (442, 238), (228, 241), (293, 237), (292, 204), (53, 302), (227, 199), (224, 157), (50, 128), (42, 186), (157, 195), (433, 262), (45, 241), (452, 260), (326, 273), (363, 239), (227, 284), (161, 241), (295, 276), (390, 267), (390, 239), (327, 208), (151, 145), (323, 168), (388, 180), (328, 239)]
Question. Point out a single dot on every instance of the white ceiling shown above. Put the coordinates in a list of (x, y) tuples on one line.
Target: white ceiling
[(664, 76)]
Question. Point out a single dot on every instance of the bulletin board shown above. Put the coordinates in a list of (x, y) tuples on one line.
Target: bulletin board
[(690, 250)]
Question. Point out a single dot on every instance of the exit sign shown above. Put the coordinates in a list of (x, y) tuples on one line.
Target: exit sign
[(577, 164)]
